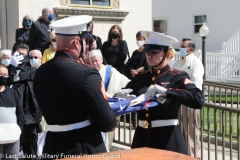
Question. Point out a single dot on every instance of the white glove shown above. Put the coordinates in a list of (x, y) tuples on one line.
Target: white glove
[(124, 93), (108, 95), (138, 100), (152, 90), (16, 58)]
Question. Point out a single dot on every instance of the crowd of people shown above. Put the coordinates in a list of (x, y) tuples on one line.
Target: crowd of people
[(60, 75)]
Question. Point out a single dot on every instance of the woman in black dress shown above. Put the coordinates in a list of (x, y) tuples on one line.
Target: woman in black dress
[(137, 62), (22, 34), (115, 49)]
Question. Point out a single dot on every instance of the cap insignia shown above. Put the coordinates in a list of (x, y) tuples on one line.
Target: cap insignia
[(147, 34)]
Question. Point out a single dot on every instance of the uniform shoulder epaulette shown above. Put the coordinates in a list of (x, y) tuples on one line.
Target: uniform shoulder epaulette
[(174, 71), (80, 61)]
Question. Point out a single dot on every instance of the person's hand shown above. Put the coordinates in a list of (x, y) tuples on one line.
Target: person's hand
[(152, 90), (124, 93), (16, 58), (138, 100), (133, 72)]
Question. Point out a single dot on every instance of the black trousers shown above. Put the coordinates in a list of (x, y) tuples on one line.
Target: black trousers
[(28, 141)]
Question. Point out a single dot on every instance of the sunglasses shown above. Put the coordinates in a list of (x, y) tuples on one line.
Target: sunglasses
[(34, 57), (27, 20), (53, 40)]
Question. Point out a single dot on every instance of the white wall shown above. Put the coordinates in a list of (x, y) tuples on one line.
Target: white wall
[(222, 19)]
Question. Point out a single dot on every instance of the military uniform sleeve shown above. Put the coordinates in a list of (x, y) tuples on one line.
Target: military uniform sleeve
[(186, 93), (101, 113)]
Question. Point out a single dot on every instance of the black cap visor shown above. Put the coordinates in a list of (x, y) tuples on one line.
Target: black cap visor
[(154, 48)]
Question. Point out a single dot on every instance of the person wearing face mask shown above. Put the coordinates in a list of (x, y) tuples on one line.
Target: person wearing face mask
[(194, 67), (98, 40), (50, 52), (6, 57), (35, 58), (137, 62), (22, 34), (11, 117), (39, 37), (115, 49), (21, 79)]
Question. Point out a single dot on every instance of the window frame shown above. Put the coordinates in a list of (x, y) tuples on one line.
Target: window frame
[(161, 19), (90, 5), (194, 24)]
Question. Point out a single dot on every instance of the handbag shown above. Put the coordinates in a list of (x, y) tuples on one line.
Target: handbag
[(9, 133)]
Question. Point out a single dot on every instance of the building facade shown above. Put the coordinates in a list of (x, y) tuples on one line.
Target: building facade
[(131, 15), (182, 19)]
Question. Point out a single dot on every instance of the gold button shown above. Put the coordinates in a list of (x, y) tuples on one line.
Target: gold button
[(147, 109), (158, 71), (153, 78), (147, 115)]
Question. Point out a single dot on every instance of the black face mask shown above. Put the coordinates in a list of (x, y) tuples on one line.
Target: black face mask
[(3, 80), (114, 35)]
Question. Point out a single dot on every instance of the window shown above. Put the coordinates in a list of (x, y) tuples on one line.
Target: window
[(160, 26), (198, 21), (91, 3)]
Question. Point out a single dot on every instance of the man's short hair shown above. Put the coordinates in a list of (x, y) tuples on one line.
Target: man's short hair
[(45, 10), (18, 45), (94, 53), (3, 66), (39, 52), (191, 43)]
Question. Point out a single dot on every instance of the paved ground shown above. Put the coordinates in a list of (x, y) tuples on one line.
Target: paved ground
[(206, 153)]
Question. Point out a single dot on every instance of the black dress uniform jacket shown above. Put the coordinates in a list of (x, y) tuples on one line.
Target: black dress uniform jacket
[(179, 92), (69, 92)]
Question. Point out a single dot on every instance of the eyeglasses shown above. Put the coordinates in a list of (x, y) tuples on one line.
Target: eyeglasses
[(6, 76), (34, 57), (53, 40)]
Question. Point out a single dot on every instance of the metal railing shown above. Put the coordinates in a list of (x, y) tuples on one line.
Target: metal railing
[(219, 123)]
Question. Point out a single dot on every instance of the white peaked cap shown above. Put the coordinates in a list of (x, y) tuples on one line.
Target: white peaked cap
[(6, 52), (94, 53), (71, 25), (157, 38)]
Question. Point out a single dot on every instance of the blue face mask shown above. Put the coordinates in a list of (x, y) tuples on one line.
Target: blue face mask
[(182, 52), (34, 62), (6, 62), (27, 23), (50, 17)]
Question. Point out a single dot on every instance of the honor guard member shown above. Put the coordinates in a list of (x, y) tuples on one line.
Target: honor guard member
[(71, 96), (158, 126)]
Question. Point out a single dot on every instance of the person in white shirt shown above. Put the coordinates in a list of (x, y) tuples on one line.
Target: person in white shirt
[(194, 67), (113, 81)]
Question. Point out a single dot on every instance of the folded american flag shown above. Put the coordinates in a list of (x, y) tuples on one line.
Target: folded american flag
[(121, 106)]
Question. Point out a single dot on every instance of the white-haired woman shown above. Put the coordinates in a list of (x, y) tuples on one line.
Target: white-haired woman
[(5, 57), (22, 34)]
